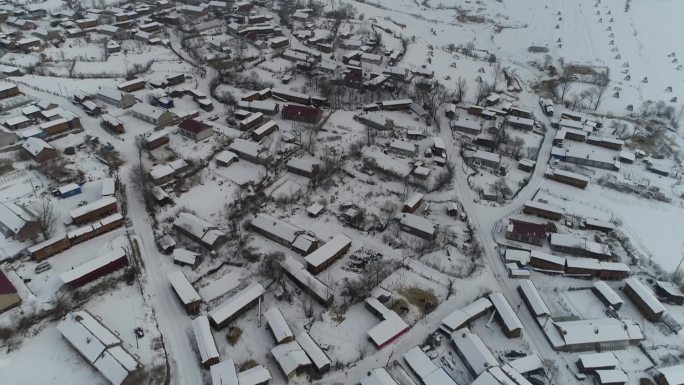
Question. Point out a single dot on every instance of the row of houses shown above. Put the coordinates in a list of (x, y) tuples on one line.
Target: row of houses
[(579, 266)]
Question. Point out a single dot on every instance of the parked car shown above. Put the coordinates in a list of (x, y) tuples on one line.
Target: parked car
[(43, 267)]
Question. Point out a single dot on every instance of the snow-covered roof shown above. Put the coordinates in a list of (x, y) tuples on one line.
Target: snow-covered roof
[(183, 288), (419, 363), (613, 376), (146, 110), (41, 245), (68, 187), (224, 373), (246, 147), (540, 255), (583, 263), (389, 328), (303, 164), (537, 305), (102, 202), (670, 288), (473, 350), (319, 359), (402, 145), (507, 314), (608, 293), (673, 374), (543, 206), (16, 120), (599, 360), (315, 209), (413, 200), (378, 376), (92, 265), (461, 316), (108, 187), (185, 256), (265, 127), (290, 356), (34, 146), (603, 330), (278, 325), (13, 216), (130, 82), (236, 303), (646, 295), (193, 224), (301, 275), (254, 376), (225, 156), (276, 227), (328, 250), (204, 338), (110, 93), (416, 222), (526, 364)]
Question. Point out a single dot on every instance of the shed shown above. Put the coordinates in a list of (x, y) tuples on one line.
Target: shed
[(95, 268), (509, 319), (209, 355), (278, 326), (327, 254), (236, 305), (185, 292)]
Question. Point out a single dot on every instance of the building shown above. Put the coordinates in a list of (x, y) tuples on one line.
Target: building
[(225, 158), (307, 167), (185, 292), (278, 326), (235, 306), (567, 177), (95, 210), (204, 233), (307, 281), (422, 367), (7, 90), (591, 362), (264, 130), (604, 334), (319, 359), (418, 226), (669, 292), (473, 352), (249, 151), (195, 130), (582, 267), (611, 377), (18, 222), (54, 126), (304, 114), (98, 267), (532, 299), (375, 121), (151, 114), (9, 298), (157, 139), (115, 97), (257, 375), (49, 247), (389, 329), (259, 106), (506, 315), (291, 96), (460, 318), (91, 231), (672, 375), (321, 258), (546, 261), (291, 358), (484, 158), (401, 147), (607, 295), (39, 150), (543, 210), (412, 203), (185, 257), (132, 85), (98, 345), (644, 299), (466, 126), (528, 231), (209, 355), (112, 124), (573, 244), (378, 376)]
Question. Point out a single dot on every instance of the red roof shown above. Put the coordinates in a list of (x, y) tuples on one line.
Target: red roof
[(193, 125), (529, 229), (6, 286)]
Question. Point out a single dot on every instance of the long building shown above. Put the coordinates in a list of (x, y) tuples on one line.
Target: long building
[(95, 210), (305, 280), (236, 305), (506, 315), (206, 344), (644, 299), (95, 268), (321, 258)]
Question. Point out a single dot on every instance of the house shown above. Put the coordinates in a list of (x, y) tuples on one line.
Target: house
[(94, 210), (528, 231), (532, 299), (9, 298), (156, 139), (543, 210), (249, 151), (195, 130), (257, 375), (18, 222), (506, 315), (412, 203), (595, 224), (376, 121), (418, 226), (304, 114), (111, 30), (150, 114), (307, 167), (18, 122), (546, 261), (321, 258), (307, 281), (466, 126), (669, 292), (95, 268), (487, 159), (460, 318), (225, 158), (251, 121), (101, 347), (291, 359), (473, 352), (673, 375), (276, 229), (54, 126), (235, 306), (209, 355), (644, 299), (185, 292), (607, 295), (591, 362), (567, 177), (278, 326), (8, 90), (112, 124), (185, 257), (132, 85), (200, 231), (39, 150), (264, 130), (259, 106), (603, 334), (115, 97), (520, 123), (318, 358), (573, 244), (49, 247), (401, 147), (389, 329), (422, 367)]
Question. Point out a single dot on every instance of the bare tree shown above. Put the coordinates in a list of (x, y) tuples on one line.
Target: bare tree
[(517, 144), (483, 90), (271, 265), (461, 88), (239, 48), (500, 187), (140, 180), (434, 97), (600, 91), (564, 83), (47, 218)]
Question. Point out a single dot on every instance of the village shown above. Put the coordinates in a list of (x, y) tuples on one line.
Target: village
[(340, 192)]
